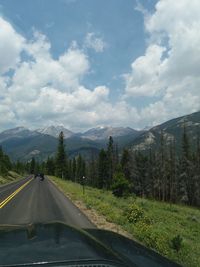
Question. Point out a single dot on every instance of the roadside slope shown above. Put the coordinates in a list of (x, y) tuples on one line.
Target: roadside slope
[(152, 223), (11, 177)]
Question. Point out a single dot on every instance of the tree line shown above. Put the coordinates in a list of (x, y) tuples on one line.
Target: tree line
[(165, 174)]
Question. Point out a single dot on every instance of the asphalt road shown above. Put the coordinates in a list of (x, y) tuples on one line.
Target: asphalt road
[(33, 201)]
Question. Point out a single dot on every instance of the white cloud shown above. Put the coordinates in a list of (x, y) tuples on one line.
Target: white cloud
[(171, 64), (80, 109), (44, 90), (144, 78), (42, 70), (11, 45), (94, 42)]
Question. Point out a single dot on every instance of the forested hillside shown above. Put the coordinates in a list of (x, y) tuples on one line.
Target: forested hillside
[(162, 174), (172, 131)]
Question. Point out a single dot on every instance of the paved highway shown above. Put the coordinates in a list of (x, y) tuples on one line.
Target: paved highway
[(33, 201)]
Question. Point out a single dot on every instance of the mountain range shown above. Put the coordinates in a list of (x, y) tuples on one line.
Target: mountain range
[(22, 144)]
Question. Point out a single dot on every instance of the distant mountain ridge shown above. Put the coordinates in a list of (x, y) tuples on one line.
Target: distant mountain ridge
[(98, 133), (23, 144), (18, 132), (172, 130)]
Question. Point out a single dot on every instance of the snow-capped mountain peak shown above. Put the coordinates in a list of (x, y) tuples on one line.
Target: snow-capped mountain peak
[(55, 131)]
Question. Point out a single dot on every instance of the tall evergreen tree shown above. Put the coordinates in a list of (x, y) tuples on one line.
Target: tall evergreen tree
[(162, 167), (60, 161), (140, 181), (116, 160), (19, 167), (80, 169), (173, 166), (110, 158), (93, 172), (33, 166), (197, 171), (151, 173), (185, 163), (5, 164), (70, 172), (103, 170), (74, 170), (125, 164), (50, 166)]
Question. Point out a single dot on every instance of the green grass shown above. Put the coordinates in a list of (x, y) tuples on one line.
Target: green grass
[(156, 226), (11, 177)]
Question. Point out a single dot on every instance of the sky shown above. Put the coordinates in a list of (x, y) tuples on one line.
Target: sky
[(89, 63)]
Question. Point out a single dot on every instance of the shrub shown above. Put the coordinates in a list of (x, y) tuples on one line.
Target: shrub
[(133, 213), (151, 238), (177, 242), (120, 185)]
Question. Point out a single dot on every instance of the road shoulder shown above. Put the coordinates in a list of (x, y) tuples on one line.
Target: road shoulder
[(95, 217)]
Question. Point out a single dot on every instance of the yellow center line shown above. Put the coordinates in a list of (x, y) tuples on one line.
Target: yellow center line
[(5, 201)]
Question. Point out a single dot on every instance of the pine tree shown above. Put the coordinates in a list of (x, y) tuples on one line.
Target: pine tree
[(61, 157), (162, 167), (125, 164), (110, 157), (38, 167), (32, 166), (74, 170), (19, 167), (184, 168), (5, 164), (70, 172), (50, 166), (140, 181), (116, 157), (103, 170), (197, 172), (80, 169), (93, 172), (151, 173), (173, 183)]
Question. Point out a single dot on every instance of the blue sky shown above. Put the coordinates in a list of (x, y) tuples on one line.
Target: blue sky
[(64, 21), (113, 62)]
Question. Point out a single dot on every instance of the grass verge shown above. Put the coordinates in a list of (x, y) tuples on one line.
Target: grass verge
[(154, 224), (11, 177)]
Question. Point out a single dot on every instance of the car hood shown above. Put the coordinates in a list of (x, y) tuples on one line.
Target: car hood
[(57, 242)]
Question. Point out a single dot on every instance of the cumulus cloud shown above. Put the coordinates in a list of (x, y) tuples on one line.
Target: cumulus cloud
[(144, 78), (170, 66), (11, 45), (44, 90), (94, 42), (40, 90), (41, 70)]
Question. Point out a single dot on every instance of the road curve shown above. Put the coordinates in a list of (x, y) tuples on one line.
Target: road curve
[(33, 201)]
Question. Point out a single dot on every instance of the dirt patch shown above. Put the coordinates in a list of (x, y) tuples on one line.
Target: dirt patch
[(99, 220)]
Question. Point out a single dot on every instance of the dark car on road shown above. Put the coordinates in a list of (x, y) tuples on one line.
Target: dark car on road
[(39, 175)]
